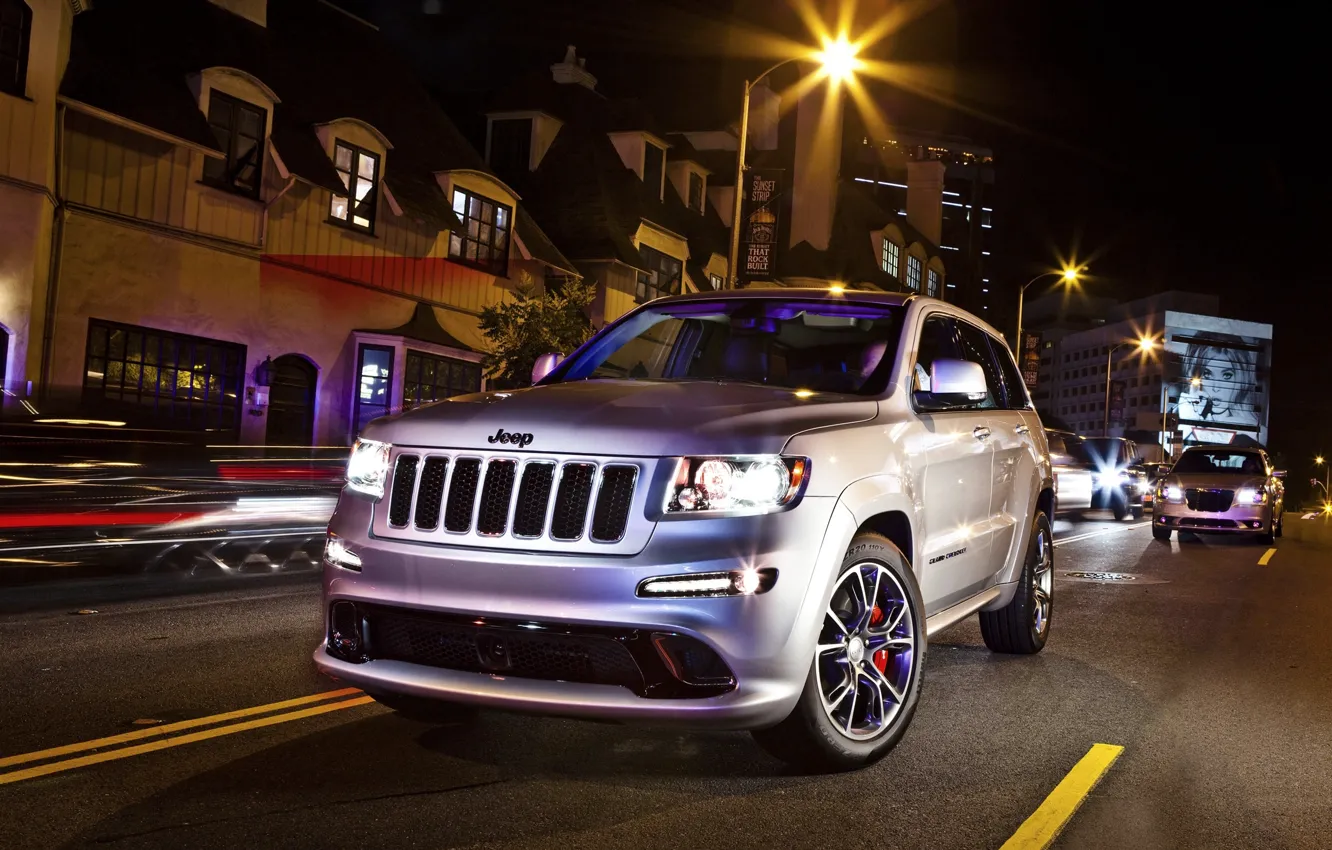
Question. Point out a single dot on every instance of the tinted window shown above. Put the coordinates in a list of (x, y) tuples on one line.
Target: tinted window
[(1056, 444), (938, 341), (1220, 460), (976, 349), (1015, 391)]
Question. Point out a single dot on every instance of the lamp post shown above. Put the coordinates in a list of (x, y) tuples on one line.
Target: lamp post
[(1144, 345), (838, 59), (1069, 277), (1327, 488)]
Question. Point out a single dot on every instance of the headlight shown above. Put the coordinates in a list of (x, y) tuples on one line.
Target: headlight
[(1171, 494), (1111, 479), (744, 484), (368, 467), (1250, 496)]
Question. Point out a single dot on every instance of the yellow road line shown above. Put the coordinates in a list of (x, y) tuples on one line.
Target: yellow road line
[(167, 729), (1267, 556), (181, 740), (1040, 830)]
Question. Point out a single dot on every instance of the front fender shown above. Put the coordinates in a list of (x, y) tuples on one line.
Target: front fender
[(881, 494)]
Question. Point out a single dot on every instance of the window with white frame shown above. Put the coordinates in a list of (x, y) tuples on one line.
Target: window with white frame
[(913, 273), (359, 171), (932, 280), (484, 240), (892, 255), (661, 278), (239, 128), (696, 191)]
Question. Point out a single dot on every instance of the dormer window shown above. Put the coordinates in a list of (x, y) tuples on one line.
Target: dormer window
[(15, 31), (484, 240), (511, 145), (654, 166), (696, 191), (359, 170), (239, 128), (892, 255)]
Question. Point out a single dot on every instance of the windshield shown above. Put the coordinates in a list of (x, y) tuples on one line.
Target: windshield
[(1108, 451), (824, 346), (1075, 448), (1220, 460)]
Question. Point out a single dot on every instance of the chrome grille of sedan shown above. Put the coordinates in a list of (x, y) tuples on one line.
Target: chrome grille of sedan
[(505, 496), (1209, 501)]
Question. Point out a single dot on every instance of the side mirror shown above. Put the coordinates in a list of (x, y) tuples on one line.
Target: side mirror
[(1280, 473), (954, 383), (545, 364)]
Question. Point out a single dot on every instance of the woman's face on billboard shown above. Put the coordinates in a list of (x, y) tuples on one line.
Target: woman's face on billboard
[(1214, 386)]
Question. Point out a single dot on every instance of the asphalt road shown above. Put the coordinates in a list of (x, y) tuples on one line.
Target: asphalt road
[(1213, 672)]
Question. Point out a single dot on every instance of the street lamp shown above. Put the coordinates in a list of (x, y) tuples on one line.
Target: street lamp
[(1327, 488), (1144, 344), (838, 61), (1069, 276)]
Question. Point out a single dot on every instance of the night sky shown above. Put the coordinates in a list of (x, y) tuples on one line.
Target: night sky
[(1169, 144)]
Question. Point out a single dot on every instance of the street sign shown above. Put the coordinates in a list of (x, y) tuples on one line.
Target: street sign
[(763, 189)]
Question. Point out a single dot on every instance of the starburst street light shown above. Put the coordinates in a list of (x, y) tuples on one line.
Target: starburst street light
[(1069, 276), (1145, 344), (838, 61)]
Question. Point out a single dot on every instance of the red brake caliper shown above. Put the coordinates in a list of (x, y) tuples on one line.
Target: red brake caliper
[(879, 658)]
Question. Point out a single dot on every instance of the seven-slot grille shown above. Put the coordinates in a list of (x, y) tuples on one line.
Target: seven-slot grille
[(525, 499), (1209, 501)]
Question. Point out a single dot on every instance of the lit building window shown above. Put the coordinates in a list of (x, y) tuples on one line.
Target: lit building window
[(892, 254), (484, 240), (913, 273), (932, 288), (661, 278), (359, 171), (717, 281), (431, 378), (239, 128)]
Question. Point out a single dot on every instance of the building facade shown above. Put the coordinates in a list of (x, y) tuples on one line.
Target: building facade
[(229, 233), (1206, 379)]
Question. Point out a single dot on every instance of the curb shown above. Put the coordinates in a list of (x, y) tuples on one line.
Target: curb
[(1317, 530)]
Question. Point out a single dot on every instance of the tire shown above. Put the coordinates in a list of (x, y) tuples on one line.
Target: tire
[(1161, 533), (814, 736), (425, 710), (1023, 625), (1119, 506), (1139, 512)]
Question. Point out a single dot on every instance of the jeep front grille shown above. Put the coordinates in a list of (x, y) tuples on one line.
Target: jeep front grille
[(495, 497)]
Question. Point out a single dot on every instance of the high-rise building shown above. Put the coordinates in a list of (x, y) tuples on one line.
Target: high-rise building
[(967, 239)]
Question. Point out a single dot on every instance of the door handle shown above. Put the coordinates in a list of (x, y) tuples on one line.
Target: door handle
[(1022, 429), (980, 432)]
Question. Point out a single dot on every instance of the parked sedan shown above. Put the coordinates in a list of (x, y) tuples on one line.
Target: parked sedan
[(1221, 490), (1074, 472)]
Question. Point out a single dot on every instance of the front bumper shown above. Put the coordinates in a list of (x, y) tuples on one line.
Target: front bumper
[(765, 640), (1239, 519)]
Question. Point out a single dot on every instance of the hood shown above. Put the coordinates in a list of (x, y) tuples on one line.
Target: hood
[(1216, 481), (624, 418)]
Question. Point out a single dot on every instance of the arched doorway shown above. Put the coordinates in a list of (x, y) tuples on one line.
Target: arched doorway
[(291, 402)]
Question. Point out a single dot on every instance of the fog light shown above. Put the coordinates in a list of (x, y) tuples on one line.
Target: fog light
[(337, 554), (745, 582), (344, 632)]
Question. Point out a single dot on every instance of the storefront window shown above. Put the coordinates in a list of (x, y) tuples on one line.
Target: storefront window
[(374, 369)]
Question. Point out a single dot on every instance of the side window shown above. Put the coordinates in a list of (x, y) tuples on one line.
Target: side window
[(938, 341), (1056, 444), (1015, 390), (976, 348)]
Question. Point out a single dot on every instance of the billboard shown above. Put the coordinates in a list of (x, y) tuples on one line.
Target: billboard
[(763, 189), (1029, 357), (1219, 373)]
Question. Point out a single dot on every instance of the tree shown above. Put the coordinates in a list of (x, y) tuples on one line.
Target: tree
[(533, 324)]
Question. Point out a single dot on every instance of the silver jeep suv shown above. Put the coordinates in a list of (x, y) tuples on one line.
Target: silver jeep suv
[(739, 510)]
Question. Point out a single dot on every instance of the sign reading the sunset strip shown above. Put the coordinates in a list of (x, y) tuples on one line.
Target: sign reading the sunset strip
[(763, 187)]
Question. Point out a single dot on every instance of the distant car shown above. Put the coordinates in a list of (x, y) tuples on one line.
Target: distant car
[(1121, 477), (1221, 490), (1074, 472)]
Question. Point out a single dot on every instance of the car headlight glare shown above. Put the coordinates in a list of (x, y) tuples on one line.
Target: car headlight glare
[(1251, 496), (1172, 494), (736, 484), (337, 554), (367, 469)]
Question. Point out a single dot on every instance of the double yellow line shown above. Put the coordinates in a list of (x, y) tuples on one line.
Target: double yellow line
[(164, 737)]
